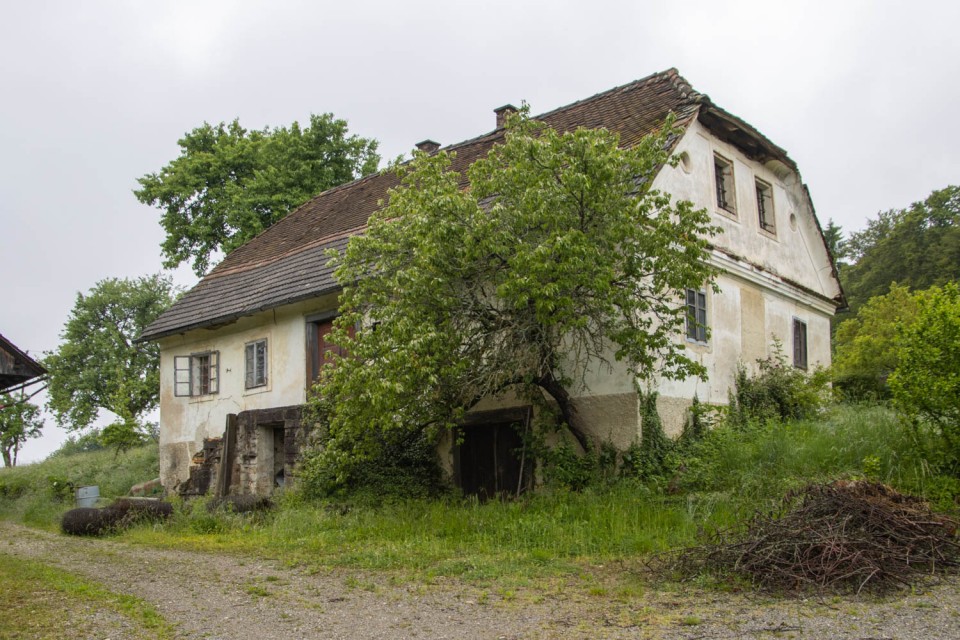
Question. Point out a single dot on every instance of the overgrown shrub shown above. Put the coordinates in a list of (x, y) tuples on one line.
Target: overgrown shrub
[(565, 467), (241, 504), (405, 464), (778, 391), (648, 459)]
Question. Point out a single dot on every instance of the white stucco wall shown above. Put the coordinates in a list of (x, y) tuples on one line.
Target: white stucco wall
[(186, 421)]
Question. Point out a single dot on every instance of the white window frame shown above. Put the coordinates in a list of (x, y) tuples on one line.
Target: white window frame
[(255, 364), (192, 379), (697, 324)]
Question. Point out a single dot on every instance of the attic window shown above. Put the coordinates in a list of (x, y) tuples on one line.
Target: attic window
[(197, 374), (723, 176), (765, 207)]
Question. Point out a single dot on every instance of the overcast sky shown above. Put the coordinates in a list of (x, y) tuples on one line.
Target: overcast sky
[(862, 95)]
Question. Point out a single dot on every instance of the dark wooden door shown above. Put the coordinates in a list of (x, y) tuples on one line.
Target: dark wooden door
[(490, 461), (319, 347)]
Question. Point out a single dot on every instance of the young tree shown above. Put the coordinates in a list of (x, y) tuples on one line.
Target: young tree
[(558, 258), (98, 366), (926, 383), (229, 184), (19, 421), (867, 349)]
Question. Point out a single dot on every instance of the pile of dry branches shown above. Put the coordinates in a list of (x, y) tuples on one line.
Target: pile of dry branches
[(840, 537)]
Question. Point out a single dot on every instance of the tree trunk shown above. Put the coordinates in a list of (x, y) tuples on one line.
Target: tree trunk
[(7, 462), (567, 411)]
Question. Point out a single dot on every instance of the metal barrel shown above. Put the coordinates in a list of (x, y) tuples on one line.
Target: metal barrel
[(88, 496)]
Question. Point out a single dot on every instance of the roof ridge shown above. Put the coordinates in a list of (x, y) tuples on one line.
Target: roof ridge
[(670, 73)]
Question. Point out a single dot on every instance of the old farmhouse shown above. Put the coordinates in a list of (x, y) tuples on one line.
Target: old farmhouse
[(240, 350)]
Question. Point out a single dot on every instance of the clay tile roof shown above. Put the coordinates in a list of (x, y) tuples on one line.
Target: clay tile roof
[(287, 263)]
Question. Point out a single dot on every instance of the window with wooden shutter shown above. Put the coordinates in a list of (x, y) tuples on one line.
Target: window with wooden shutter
[(197, 374), (799, 344)]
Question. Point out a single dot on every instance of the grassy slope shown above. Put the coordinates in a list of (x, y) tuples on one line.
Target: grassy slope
[(37, 494)]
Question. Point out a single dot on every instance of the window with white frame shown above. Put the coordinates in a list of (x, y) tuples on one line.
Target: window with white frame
[(799, 344), (765, 207), (255, 364), (697, 315), (197, 374), (723, 179)]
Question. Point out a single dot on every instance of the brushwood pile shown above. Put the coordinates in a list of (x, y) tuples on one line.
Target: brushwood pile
[(842, 537)]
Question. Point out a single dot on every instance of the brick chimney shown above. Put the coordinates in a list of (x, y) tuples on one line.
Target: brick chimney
[(428, 146), (502, 113)]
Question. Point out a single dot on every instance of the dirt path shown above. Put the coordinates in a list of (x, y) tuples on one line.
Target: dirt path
[(220, 597)]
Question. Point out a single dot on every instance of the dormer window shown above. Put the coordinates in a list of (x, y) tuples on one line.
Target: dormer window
[(723, 177), (765, 207)]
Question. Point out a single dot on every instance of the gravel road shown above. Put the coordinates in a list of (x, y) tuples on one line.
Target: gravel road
[(227, 597)]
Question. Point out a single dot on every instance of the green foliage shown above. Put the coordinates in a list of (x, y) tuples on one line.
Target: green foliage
[(567, 467), (558, 253), (867, 347), (762, 459), (229, 184), (778, 391), (406, 465), (926, 383), (918, 247), (649, 459), (699, 421), (19, 421), (80, 443), (98, 366), (833, 236)]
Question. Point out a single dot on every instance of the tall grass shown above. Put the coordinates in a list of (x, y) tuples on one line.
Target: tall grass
[(37, 494), (762, 461)]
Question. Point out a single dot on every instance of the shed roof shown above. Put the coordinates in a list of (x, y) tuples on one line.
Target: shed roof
[(16, 367), (287, 263)]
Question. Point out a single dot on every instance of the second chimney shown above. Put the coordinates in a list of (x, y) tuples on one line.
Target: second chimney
[(502, 113), (428, 146)]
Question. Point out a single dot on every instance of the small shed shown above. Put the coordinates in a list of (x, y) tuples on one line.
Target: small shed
[(17, 369)]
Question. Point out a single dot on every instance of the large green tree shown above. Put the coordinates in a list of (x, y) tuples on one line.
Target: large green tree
[(98, 366), (229, 184), (917, 247), (559, 259), (19, 421)]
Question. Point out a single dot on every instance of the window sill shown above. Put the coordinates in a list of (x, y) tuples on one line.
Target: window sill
[(204, 398), (252, 391), (726, 213)]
